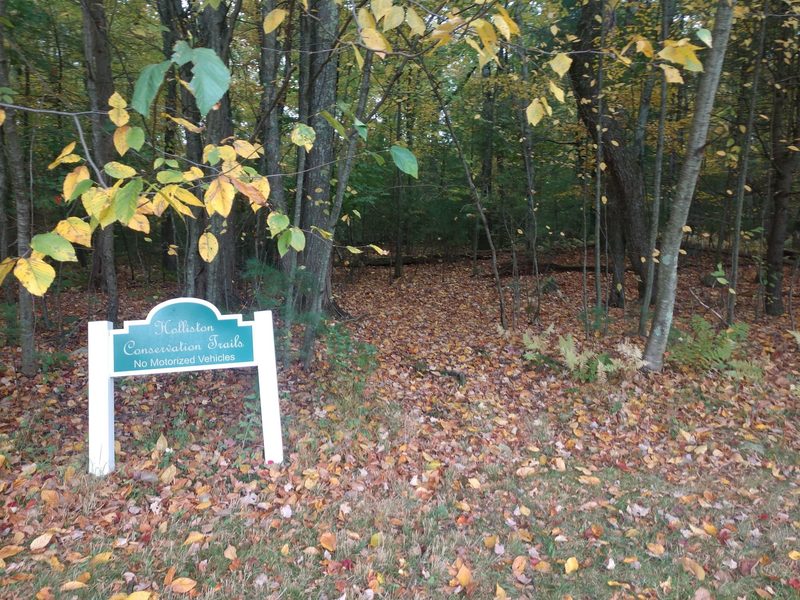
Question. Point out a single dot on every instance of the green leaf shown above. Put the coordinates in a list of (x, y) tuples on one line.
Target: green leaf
[(146, 88), (298, 241), (211, 79), (283, 242), (704, 35), (277, 222), (118, 170), (378, 159), (405, 160), (169, 176), (361, 128), (55, 246), (354, 250), (181, 53), (135, 138), (80, 188), (126, 199), (333, 121), (303, 135)]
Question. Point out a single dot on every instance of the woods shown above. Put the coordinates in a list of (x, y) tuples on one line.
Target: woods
[(316, 119), (586, 203)]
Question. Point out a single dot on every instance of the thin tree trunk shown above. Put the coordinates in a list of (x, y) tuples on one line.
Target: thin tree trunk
[(216, 31), (100, 86), (271, 110), (644, 316), (13, 150), (684, 190), (530, 191), (398, 202), (785, 131), (744, 160)]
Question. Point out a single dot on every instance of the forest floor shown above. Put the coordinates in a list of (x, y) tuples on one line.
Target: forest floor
[(460, 467)]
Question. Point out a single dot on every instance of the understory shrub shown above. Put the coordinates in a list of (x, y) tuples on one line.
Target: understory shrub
[(585, 365), (704, 348)]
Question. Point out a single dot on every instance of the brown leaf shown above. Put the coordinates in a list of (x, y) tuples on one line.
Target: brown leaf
[(230, 553)]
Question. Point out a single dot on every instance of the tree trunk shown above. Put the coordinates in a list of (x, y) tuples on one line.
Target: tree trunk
[(621, 160), (655, 215), (216, 28), (270, 111), (100, 86), (13, 150), (744, 162), (684, 190), (321, 27), (785, 131)]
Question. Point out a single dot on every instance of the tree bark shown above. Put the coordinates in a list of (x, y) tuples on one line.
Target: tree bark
[(655, 214), (16, 167), (270, 111), (100, 86), (684, 190), (216, 27), (744, 163), (621, 159), (785, 131)]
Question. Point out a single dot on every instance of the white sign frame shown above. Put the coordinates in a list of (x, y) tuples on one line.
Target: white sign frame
[(101, 382)]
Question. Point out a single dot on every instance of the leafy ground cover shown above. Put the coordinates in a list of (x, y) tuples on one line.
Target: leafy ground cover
[(460, 468)]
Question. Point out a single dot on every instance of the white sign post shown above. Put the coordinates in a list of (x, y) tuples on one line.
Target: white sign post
[(184, 334)]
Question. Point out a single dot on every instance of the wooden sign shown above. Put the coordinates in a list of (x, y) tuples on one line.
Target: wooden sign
[(184, 334)]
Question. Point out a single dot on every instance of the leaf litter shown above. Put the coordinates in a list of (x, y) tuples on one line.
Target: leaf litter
[(509, 481)]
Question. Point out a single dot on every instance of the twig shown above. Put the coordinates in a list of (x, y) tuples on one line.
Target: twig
[(708, 308)]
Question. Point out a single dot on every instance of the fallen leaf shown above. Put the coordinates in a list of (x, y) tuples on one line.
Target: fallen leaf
[(9, 551), (690, 566), (101, 558), (40, 543), (328, 541), (50, 497), (72, 586), (182, 585), (571, 565), (464, 576), (194, 537), (230, 553)]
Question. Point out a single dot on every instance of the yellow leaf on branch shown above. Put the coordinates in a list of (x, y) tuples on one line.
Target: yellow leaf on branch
[(208, 247), (36, 276), (273, 20)]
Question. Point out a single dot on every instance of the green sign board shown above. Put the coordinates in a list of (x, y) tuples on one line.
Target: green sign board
[(184, 334)]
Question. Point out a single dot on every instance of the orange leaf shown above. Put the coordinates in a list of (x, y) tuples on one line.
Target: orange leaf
[(9, 551), (72, 585), (464, 576), (328, 541), (194, 537), (182, 585), (690, 566)]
